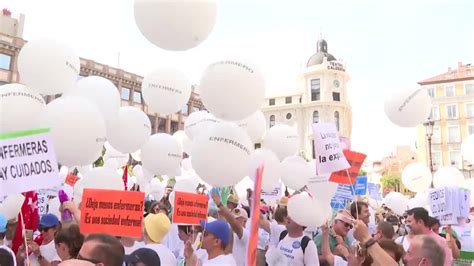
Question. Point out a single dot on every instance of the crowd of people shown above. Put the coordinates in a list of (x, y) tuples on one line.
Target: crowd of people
[(346, 239)]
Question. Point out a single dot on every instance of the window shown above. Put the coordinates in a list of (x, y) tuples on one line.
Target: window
[(185, 109), (137, 97), (436, 157), (436, 138), (455, 159), (5, 61), (453, 134), (336, 119), (470, 129), (431, 92), (434, 113), (315, 117), (174, 127), (469, 88), (315, 90), (271, 102), (288, 116), (125, 95), (469, 109), (451, 111), (336, 96), (288, 100), (152, 122), (272, 120), (449, 91), (161, 124)]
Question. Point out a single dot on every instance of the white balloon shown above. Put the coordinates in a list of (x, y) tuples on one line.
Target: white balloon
[(77, 129), (221, 154), (282, 140), (101, 92), (197, 122), (166, 90), (186, 164), (62, 68), (121, 158), (467, 149), (448, 176), (416, 177), (183, 141), (53, 207), (183, 185), (175, 25), (129, 130), (137, 155), (397, 202), (298, 206), (138, 171), (156, 189), (63, 172), (321, 188), (420, 200), (162, 155), (11, 206), (408, 108), (470, 186), (255, 126), (111, 164), (98, 178), (296, 172), (232, 90), (19, 108), (272, 171)]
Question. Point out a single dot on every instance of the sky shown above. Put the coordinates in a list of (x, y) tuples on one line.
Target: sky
[(386, 45)]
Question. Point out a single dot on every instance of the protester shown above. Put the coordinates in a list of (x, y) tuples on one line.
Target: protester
[(6, 258), (276, 226), (155, 228), (3, 246), (417, 221), (384, 230), (232, 202), (143, 257), (130, 244), (102, 248), (190, 233), (405, 240), (68, 242), (327, 257), (360, 210), (338, 242), (425, 250)]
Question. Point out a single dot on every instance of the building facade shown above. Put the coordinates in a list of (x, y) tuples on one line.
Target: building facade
[(320, 97), (128, 84), (452, 95)]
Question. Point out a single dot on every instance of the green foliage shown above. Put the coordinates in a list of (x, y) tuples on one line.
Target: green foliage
[(390, 180), (362, 173)]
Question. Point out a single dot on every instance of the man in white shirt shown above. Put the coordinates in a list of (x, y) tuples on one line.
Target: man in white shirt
[(3, 231), (155, 229), (298, 251)]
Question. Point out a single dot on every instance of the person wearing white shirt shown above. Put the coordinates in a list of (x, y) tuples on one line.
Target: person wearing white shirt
[(155, 229), (275, 227), (131, 244), (46, 253), (190, 233)]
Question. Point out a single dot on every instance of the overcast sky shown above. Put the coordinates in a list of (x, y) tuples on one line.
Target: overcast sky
[(387, 45)]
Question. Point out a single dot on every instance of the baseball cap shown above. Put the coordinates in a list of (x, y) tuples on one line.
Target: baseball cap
[(233, 199), (49, 220), (344, 216), (240, 212), (3, 223), (219, 229), (157, 226), (144, 255)]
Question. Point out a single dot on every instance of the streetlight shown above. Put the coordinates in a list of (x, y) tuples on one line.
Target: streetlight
[(429, 133)]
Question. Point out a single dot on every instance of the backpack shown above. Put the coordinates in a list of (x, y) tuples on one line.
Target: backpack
[(304, 241)]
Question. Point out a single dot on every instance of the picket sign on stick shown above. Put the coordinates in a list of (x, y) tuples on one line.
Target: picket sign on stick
[(253, 240), (328, 151), (189, 208)]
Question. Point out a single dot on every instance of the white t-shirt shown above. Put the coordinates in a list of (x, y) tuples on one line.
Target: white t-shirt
[(291, 248), (275, 231), (263, 239), (5, 247), (227, 260), (240, 247), (166, 256), (49, 252), (136, 245), (338, 261), (172, 240), (201, 255), (406, 242)]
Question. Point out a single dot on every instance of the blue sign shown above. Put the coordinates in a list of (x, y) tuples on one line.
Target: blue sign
[(374, 191), (360, 186), (342, 197)]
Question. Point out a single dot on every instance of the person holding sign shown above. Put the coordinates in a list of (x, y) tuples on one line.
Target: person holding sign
[(338, 242), (156, 228)]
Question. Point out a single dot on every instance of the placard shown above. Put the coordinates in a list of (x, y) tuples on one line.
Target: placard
[(114, 212), (355, 160), (71, 180), (271, 197), (374, 191), (360, 186), (189, 208), (439, 201), (27, 162), (327, 147)]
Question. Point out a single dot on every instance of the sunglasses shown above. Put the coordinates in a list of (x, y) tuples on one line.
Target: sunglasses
[(347, 225), (44, 229), (79, 257)]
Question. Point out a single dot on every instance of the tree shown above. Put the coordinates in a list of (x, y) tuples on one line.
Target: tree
[(362, 173), (390, 180)]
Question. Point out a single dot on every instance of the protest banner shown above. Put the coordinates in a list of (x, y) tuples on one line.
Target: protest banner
[(374, 191), (255, 218), (71, 180), (42, 203), (114, 212), (360, 186), (327, 147), (189, 208), (439, 201), (342, 197), (355, 160), (28, 162), (272, 196)]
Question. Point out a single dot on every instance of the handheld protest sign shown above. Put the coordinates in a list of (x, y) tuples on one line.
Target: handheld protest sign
[(189, 208), (115, 212)]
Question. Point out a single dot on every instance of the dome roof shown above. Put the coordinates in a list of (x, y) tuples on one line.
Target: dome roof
[(318, 57)]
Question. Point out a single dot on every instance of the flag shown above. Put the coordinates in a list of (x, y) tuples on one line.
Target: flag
[(349, 176), (125, 177), (30, 219)]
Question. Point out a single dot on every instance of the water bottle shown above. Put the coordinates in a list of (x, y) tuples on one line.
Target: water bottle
[(66, 215)]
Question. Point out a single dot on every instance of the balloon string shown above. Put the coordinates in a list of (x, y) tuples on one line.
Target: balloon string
[(353, 193)]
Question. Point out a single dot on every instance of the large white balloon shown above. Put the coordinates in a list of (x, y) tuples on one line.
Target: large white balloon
[(98, 178), (184, 141), (183, 185), (408, 108), (111, 153), (296, 172), (11, 206), (397, 202), (197, 122), (232, 90), (175, 25), (162, 155), (321, 188), (298, 206), (448, 176), (156, 189), (77, 129), (19, 108), (282, 140), (221, 154), (137, 155), (416, 177), (166, 90), (129, 130), (272, 171), (467, 149), (255, 126), (101, 92), (62, 68)]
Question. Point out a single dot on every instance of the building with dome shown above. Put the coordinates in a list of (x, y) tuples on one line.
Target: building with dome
[(320, 97)]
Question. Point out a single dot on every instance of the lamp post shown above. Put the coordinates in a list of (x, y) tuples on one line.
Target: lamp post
[(429, 133)]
